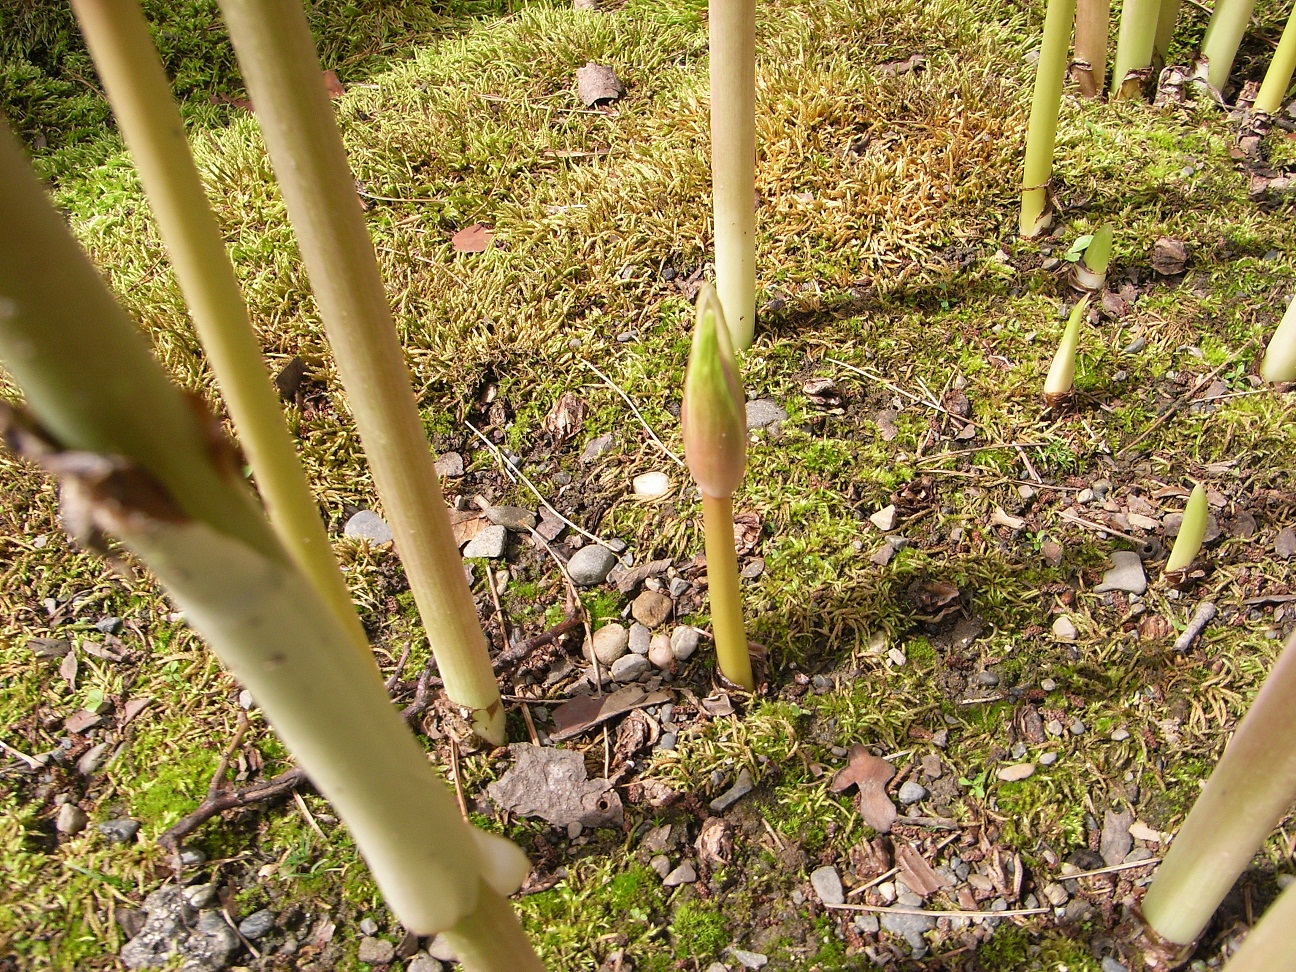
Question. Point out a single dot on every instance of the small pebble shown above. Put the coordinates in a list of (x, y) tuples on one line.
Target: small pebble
[(1048, 759), (610, 642), (742, 786), (450, 465), (1120, 735), (192, 856), (885, 518), (200, 895), (511, 518), (1110, 964), (119, 831), (1015, 772), (1077, 728), (667, 741), (1048, 685), (684, 874), (684, 641), (595, 448), (423, 962), (628, 668), (911, 792), (659, 652), (368, 926), (763, 412), (591, 565), (1064, 629), (651, 485), (70, 820), (940, 738), (375, 951), (489, 543), (651, 608), (988, 679), (1053, 727), (897, 656), (827, 885), (748, 960), (258, 925), (368, 525), (109, 625), (640, 638), (1127, 574)]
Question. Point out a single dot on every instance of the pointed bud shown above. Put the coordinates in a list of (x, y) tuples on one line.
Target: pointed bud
[(1090, 270), (1280, 357), (1061, 376), (714, 413), (1191, 531)]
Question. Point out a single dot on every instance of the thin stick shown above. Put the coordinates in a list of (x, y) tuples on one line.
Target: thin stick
[(218, 777), (972, 915), (876, 881), (1127, 866), (458, 783), (1176, 405), (1205, 612), (310, 817), (31, 761), (936, 457), (1079, 521), (530, 724), (637, 414)]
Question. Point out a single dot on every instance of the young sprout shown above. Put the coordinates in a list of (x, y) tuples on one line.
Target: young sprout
[(1090, 270), (1279, 362), (1248, 794), (1061, 377), (1191, 532), (1223, 35), (1134, 43), (1090, 67), (715, 447), (1278, 77), (1041, 130)]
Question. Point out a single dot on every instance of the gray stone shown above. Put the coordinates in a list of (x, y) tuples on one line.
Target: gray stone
[(627, 668), (940, 738), (591, 564), (684, 641), (911, 792), (748, 960), (678, 586), (1116, 841), (257, 925), (1064, 629), (368, 926), (1285, 545), (1127, 574), (1015, 772), (667, 741), (450, 466), (192, 856), (640, 638), (1120, 735), (988, 679), (200, 895), (511, 517), (1048, 759), (684, 874), (827, 885), (910, 927), (92, 759), (742, 786), (109, 625), (885, 518), (1056, 894), (595, 448), (170, 931), (714, 966), (764, 412), (610, 642), (376, 951), (70, 820), (368, 525), (1110, 964), (661, 864), (423, 962), (1078, 728), (1048, 685), (1052, 553), (488, 543), (441, 949)]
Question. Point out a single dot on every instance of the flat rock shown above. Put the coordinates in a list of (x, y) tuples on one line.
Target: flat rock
[(885, 518), (375, 951), (911, 792), (609, 643), (742, 786), (119, 831), (748, 960), (910, 927), (511, 518), (595, 448), (450, 465), (1285, 545), (553, 784), (591, 565), (651, 608), (764, 412), (628, 668), (1116, 841), (650, 485), (368, 525), (827, 884), (1064, 629), (1127, 574), (488, 543), (1015, 772), (686, 873)]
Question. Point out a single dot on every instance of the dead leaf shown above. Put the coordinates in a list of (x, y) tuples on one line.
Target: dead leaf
[(889, 69), (636, 733), (552, 784), (597, 82), (566, 418), (1169, 256), (473, 238), (627, 579), (332, 85), (466, 524), (717, 705), (886, 423), (869, 774), (1153, 627), (917, 873), (822, 391), (715, 841), (933, 599), (574, 717), (49, 647), (289, 380), (747, 528), (68, 669), (134, 707)]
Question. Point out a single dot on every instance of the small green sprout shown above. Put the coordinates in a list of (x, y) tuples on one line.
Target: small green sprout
[(1061, 377), (1191, 532)]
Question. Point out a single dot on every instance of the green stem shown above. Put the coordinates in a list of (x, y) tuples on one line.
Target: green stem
[(1041, 131), (733, 162), (489, 939), (1270, 946), (1223, 35), (118, 38), (1167, 20), (1134, 42), (1092, 20), (732, 653), (1251, 790), (282, 71), (1278, 78), (1279, 362)]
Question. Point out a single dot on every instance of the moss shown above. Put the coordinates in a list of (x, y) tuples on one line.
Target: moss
[(698, 931)]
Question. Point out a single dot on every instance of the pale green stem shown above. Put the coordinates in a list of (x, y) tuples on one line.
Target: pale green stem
[(1271, 945), (1041, 132), (1279, 362), (1061, 374), (91, 382), (119, 41), (1278, 78), (1134, 42), (1091, 268), (1092, 20), (1167, 20), (1223, 35), (279, 64), (1251, 790), (1191, 531), (733, 162), (727, 626), (490, 938)]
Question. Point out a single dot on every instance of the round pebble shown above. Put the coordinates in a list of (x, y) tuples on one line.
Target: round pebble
[(684, 641), (627, 668), (650, 485), (591, 564), (257, 925), (610, 642), (659, 652), (911, 792)]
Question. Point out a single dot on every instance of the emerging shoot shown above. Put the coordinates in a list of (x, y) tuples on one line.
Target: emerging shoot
[(1191, 532), (1090, 272), (1041, 132), (1279, 362), (1134, 43), (715, 446), (1270, 945), (1058, 386), (1167, 20)]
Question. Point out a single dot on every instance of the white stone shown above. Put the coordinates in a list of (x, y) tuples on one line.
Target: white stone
[(650, 485)]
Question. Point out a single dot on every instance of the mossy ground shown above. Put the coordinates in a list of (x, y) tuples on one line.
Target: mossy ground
[(888, 263)]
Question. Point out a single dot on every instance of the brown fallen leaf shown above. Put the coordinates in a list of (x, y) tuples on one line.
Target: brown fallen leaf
[(473, 238), (869, 774), (715, 841), (747, 529), (1169, 256), (822, 391), (886, 423), (933, 599), (636, 733), (466, 524), (917, 873), (574, 717), (566, 418), (552, 784)]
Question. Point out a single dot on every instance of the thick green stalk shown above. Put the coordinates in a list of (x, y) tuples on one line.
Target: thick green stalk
[(727, 625), (138, 461), (282, 71), (1271, 945), (1167, 20), (1092, 20), (1278, 78), (1223, 35), (1041, 132), (1191, 531), (1251, 790), (118, 38), (733, 161), (1279, 362), (489, 939), (1134, 42)]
